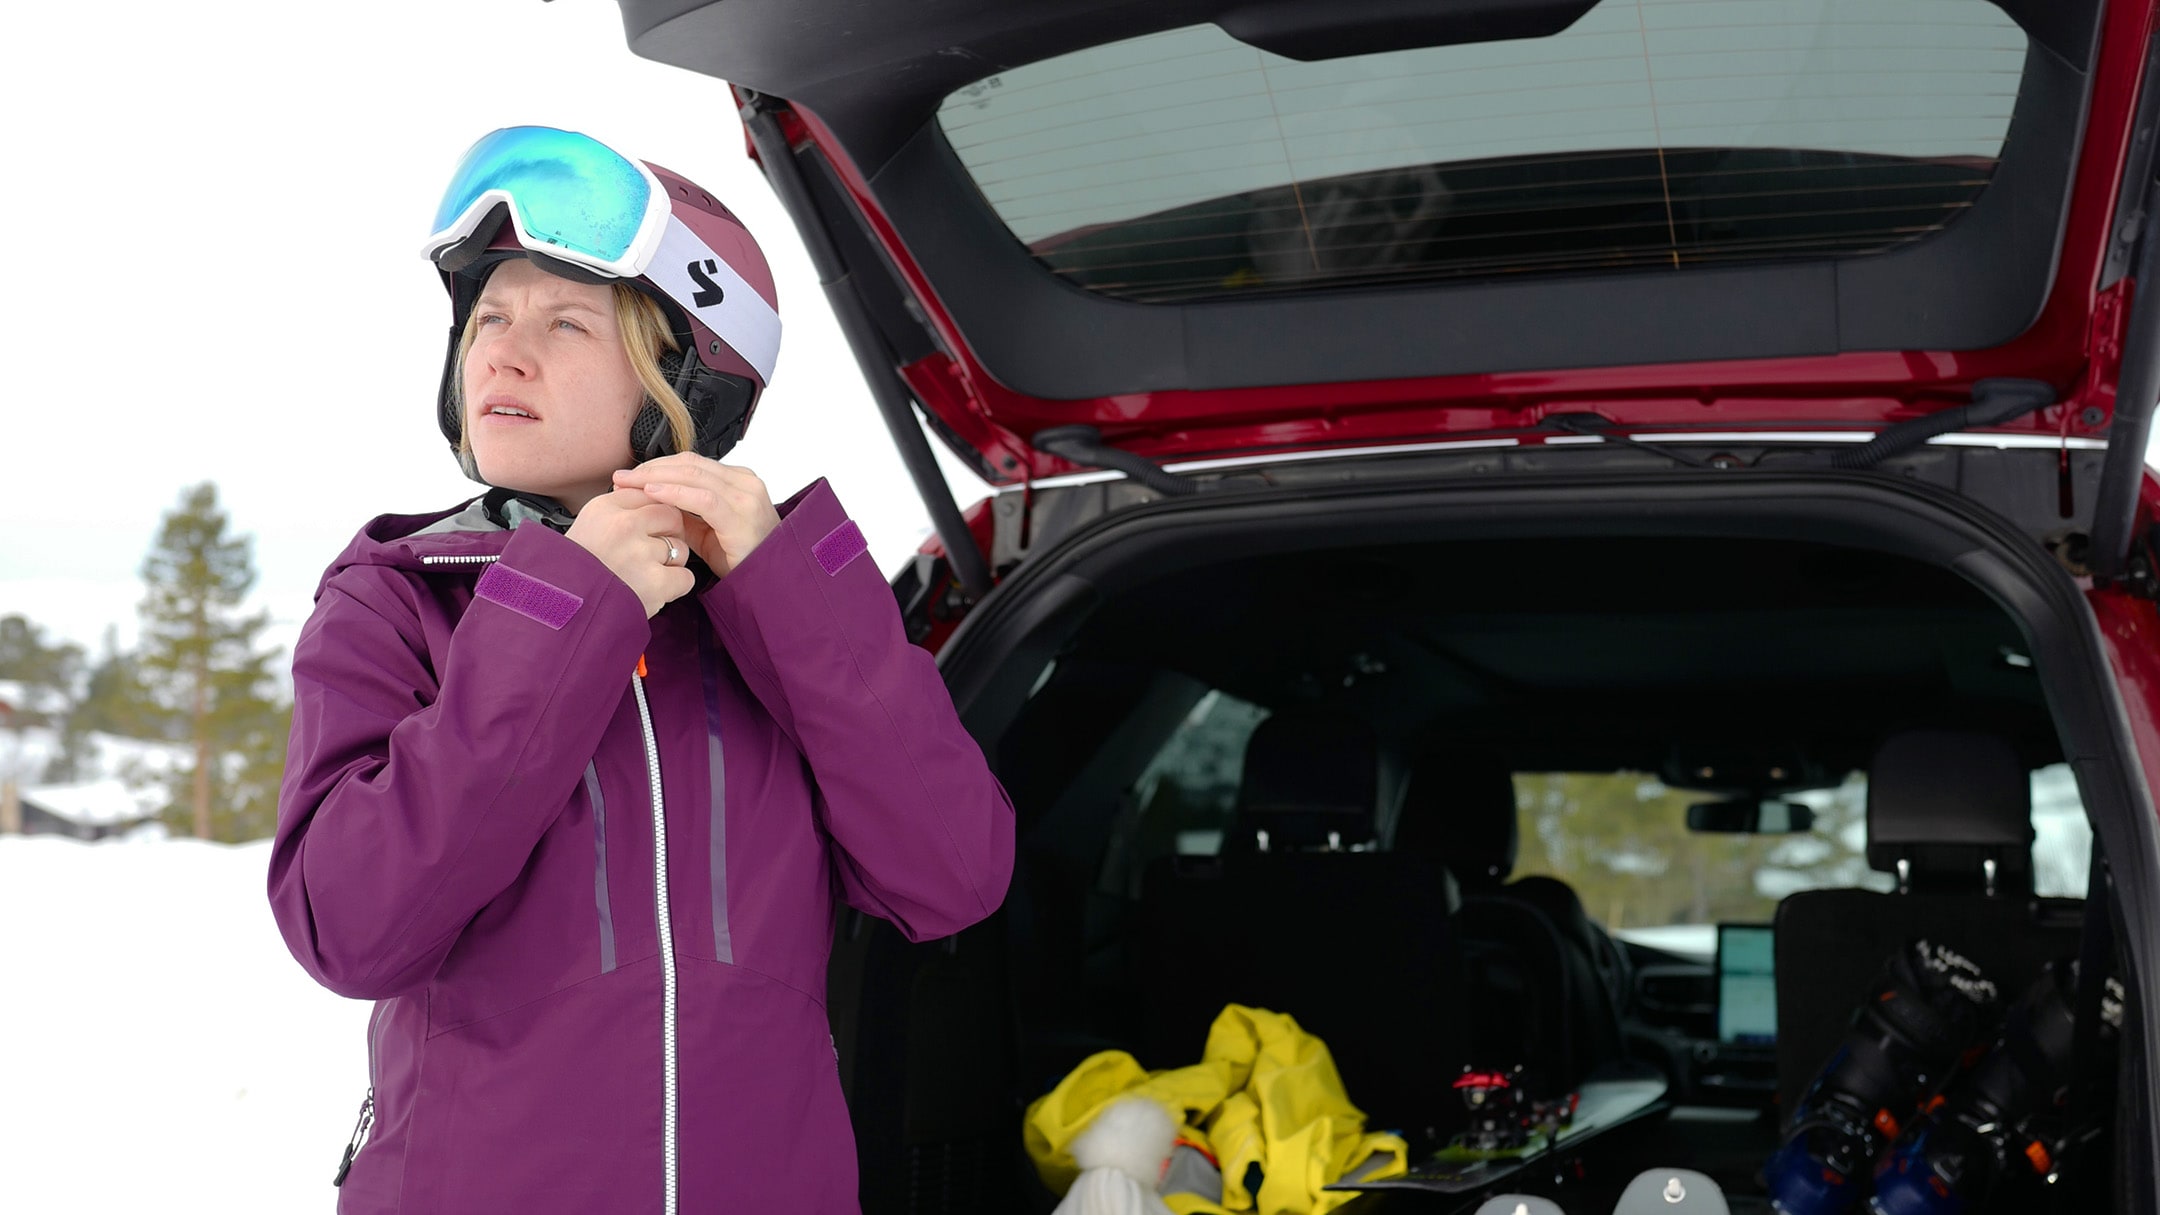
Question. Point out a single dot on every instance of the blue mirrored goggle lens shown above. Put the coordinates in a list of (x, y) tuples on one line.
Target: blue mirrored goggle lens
[(571, 191)]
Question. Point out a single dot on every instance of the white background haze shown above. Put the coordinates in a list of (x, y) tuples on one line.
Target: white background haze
[(217, 213)]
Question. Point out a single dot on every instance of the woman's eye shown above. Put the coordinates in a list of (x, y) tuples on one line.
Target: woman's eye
[(570, 325), (488, 318)]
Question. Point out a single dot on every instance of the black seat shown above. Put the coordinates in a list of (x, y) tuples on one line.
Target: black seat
[(1949, 813), (1539, 991), (1300, 914)]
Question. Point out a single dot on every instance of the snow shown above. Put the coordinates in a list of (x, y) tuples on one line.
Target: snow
[(140, 762), (97, 803), (18, 696), (23, 752), (1696, 942), (163, 1052)]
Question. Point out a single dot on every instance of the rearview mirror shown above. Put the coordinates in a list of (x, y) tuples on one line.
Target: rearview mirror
[(1751, 816)]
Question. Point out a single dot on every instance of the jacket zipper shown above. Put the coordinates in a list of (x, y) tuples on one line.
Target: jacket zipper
[(661, 922), (667, 948), (366, 1120)]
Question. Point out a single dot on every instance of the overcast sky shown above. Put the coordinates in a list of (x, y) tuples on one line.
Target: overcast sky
[(218, 210)]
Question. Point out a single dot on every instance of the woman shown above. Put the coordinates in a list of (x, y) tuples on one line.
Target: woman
[(621, 692)]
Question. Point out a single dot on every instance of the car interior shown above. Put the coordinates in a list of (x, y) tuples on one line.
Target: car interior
[(1595, 805)]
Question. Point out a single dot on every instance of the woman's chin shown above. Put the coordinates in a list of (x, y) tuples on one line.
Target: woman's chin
[(523, 483), (571, 487)]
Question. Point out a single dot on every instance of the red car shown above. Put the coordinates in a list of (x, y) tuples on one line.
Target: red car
[(1439, 441)]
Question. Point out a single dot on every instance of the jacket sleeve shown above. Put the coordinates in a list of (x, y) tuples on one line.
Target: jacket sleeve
[(414, 795), (923, 832)]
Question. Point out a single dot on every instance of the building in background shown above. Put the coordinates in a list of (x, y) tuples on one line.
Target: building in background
[(92, 810)]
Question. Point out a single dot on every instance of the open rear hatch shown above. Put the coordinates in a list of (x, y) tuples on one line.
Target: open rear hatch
[(1220, 227), (1154, 237)]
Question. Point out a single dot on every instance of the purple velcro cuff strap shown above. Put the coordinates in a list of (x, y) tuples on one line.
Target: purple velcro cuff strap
[(840, 546), (528, 596)]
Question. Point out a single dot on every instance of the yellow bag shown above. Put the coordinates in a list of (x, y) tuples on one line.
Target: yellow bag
[(1264, 1092)]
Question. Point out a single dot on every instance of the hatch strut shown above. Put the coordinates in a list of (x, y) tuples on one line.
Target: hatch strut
[(2137, 378), (1083, 444), (881, 371)]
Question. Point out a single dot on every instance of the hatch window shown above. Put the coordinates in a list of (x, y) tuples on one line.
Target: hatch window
[(1650, 133)]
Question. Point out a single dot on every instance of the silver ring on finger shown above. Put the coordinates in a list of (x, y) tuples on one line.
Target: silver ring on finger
[(674, 551)]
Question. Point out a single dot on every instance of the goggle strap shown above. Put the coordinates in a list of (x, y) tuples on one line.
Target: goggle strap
[(706, 287)]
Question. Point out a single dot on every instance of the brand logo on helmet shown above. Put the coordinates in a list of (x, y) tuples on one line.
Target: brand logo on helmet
[(709, 292)]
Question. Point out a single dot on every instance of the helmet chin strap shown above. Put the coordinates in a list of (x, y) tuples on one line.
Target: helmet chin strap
[(716, 402), (510, 507)]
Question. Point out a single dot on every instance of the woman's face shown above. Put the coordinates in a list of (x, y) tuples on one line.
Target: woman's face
[(549, 393)]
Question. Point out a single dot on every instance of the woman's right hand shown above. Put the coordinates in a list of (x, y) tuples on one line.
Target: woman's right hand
[(631, 534)]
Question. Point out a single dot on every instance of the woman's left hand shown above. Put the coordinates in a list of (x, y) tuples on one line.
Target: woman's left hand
[(726, 511)]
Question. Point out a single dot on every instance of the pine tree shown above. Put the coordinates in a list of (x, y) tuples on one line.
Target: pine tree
[(47, 670), (112, 700), (49, 674), (116, 700), (199, 659)]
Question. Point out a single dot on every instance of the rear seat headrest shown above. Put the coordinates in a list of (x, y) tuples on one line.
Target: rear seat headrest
[(1460, 812), (1311, 780), (1948, 802)]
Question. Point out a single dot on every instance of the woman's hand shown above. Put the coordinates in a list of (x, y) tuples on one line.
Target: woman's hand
[(633, 536), (726, 511)]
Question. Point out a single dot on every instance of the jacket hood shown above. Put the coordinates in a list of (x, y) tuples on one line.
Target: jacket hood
[(405, 541), (476, 528), (463, 536)]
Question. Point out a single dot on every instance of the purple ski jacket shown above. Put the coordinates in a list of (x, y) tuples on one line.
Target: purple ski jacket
[(482, 796)]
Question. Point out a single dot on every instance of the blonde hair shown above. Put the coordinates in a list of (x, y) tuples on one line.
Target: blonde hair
[(645, 337)]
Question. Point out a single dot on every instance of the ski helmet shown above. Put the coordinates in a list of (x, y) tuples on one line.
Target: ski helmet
[(578, 209)]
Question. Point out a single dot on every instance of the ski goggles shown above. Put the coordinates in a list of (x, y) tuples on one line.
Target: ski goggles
[(570, 197), (577, 200)]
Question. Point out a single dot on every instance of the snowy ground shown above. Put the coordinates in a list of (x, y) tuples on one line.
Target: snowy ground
[(159, 1048)]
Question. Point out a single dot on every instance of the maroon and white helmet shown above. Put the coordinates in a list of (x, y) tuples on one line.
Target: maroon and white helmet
[(700, 264)]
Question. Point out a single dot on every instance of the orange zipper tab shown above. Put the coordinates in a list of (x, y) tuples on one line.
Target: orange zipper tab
[(641, 666)]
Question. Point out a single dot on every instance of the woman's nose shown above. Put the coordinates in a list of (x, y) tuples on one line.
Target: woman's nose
[(510, 351)]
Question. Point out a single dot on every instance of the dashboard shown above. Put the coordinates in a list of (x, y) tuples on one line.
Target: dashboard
[(1711, 1028)]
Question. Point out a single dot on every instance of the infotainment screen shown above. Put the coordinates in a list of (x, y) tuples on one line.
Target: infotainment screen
[(1747, 985)]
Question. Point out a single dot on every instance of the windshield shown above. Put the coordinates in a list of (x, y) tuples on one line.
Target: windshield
[(1621, 840), (1678, 133)]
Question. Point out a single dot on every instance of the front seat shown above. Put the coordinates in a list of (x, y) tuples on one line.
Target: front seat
[(1950, 814), (1538, 983), (1301, 915)]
